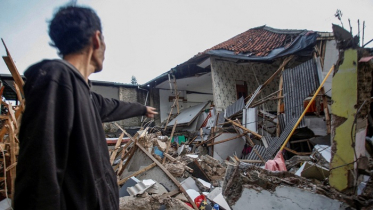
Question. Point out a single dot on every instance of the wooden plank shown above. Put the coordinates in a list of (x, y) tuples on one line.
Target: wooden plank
[(286, 61), (280, 87), (243, 128), (12, 172), (169, 142), (250, 161), (125, 132), (122, 181), (173, 179), (232, 138), (257, 153), (169, 115), (117, 145), (13, 69), (326, 110), (129, 155), (297, 153), (208, 140)]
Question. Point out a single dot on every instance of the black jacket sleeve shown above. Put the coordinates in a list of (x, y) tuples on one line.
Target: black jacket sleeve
[(44, 140), (113, 110)]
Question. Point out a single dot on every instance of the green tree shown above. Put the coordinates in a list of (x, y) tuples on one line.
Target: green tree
[(133, 80)]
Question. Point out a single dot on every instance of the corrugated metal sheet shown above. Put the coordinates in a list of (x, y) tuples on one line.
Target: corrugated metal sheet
[(253, 96), (235, 108), (299, 83), (277, 142), (253, 156)]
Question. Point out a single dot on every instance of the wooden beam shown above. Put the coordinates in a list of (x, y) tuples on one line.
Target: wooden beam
[(257, 153), (125, 132), (169, 114), (286, 61), (173, 179), (250, 161), (13, 69), (243, 128), (235, 137), (122, 181), (169, 142), (117, 145), (208, 140)]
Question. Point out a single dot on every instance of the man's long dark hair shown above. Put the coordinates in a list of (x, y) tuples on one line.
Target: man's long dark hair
[(72, 28)]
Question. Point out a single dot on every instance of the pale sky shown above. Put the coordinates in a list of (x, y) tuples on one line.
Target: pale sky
[(146, 38)]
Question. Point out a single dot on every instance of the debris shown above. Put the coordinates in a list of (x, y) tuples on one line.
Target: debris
[(175, 169), (202, 185), (217, 197), (140, 187)]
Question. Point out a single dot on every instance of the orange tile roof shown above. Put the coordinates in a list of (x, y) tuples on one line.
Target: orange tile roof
[(259, 41)]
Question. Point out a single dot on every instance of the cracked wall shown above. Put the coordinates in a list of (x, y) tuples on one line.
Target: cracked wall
[(343, 107)]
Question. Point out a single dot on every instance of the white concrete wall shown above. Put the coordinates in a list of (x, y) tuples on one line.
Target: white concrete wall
[(331, 58)]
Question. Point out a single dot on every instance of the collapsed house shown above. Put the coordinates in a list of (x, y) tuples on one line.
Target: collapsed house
[(231, 115)]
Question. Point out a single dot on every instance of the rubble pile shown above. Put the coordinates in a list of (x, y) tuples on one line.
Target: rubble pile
[(271, 149)]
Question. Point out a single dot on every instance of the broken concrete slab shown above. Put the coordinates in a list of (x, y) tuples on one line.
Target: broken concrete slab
[(244, 176), (202, 185), (217, 197), (151, 203), (189, 183), (311, 170), (284, 197)]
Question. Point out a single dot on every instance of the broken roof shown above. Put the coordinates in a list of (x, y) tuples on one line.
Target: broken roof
[(263, 44), (259, 41)]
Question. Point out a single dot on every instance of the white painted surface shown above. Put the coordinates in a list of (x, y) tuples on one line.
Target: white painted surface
[(218, 198), (331, 58), (228, 148), (325, 151)]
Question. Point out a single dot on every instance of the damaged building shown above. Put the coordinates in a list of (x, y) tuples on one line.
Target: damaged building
[(269, 119)]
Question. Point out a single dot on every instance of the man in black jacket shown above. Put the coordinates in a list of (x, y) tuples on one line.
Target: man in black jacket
[(63, 160)]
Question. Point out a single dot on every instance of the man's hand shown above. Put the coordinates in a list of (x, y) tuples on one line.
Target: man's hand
[(150, 112)]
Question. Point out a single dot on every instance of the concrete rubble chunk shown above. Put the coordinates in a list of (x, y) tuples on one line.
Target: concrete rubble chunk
[(246, 185), (202, 185), (161, 145), (176, 169), (151, 203), (217, 197)]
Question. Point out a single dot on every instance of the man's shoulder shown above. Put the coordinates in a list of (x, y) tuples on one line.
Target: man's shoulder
[(47, 67), (46, 71)]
